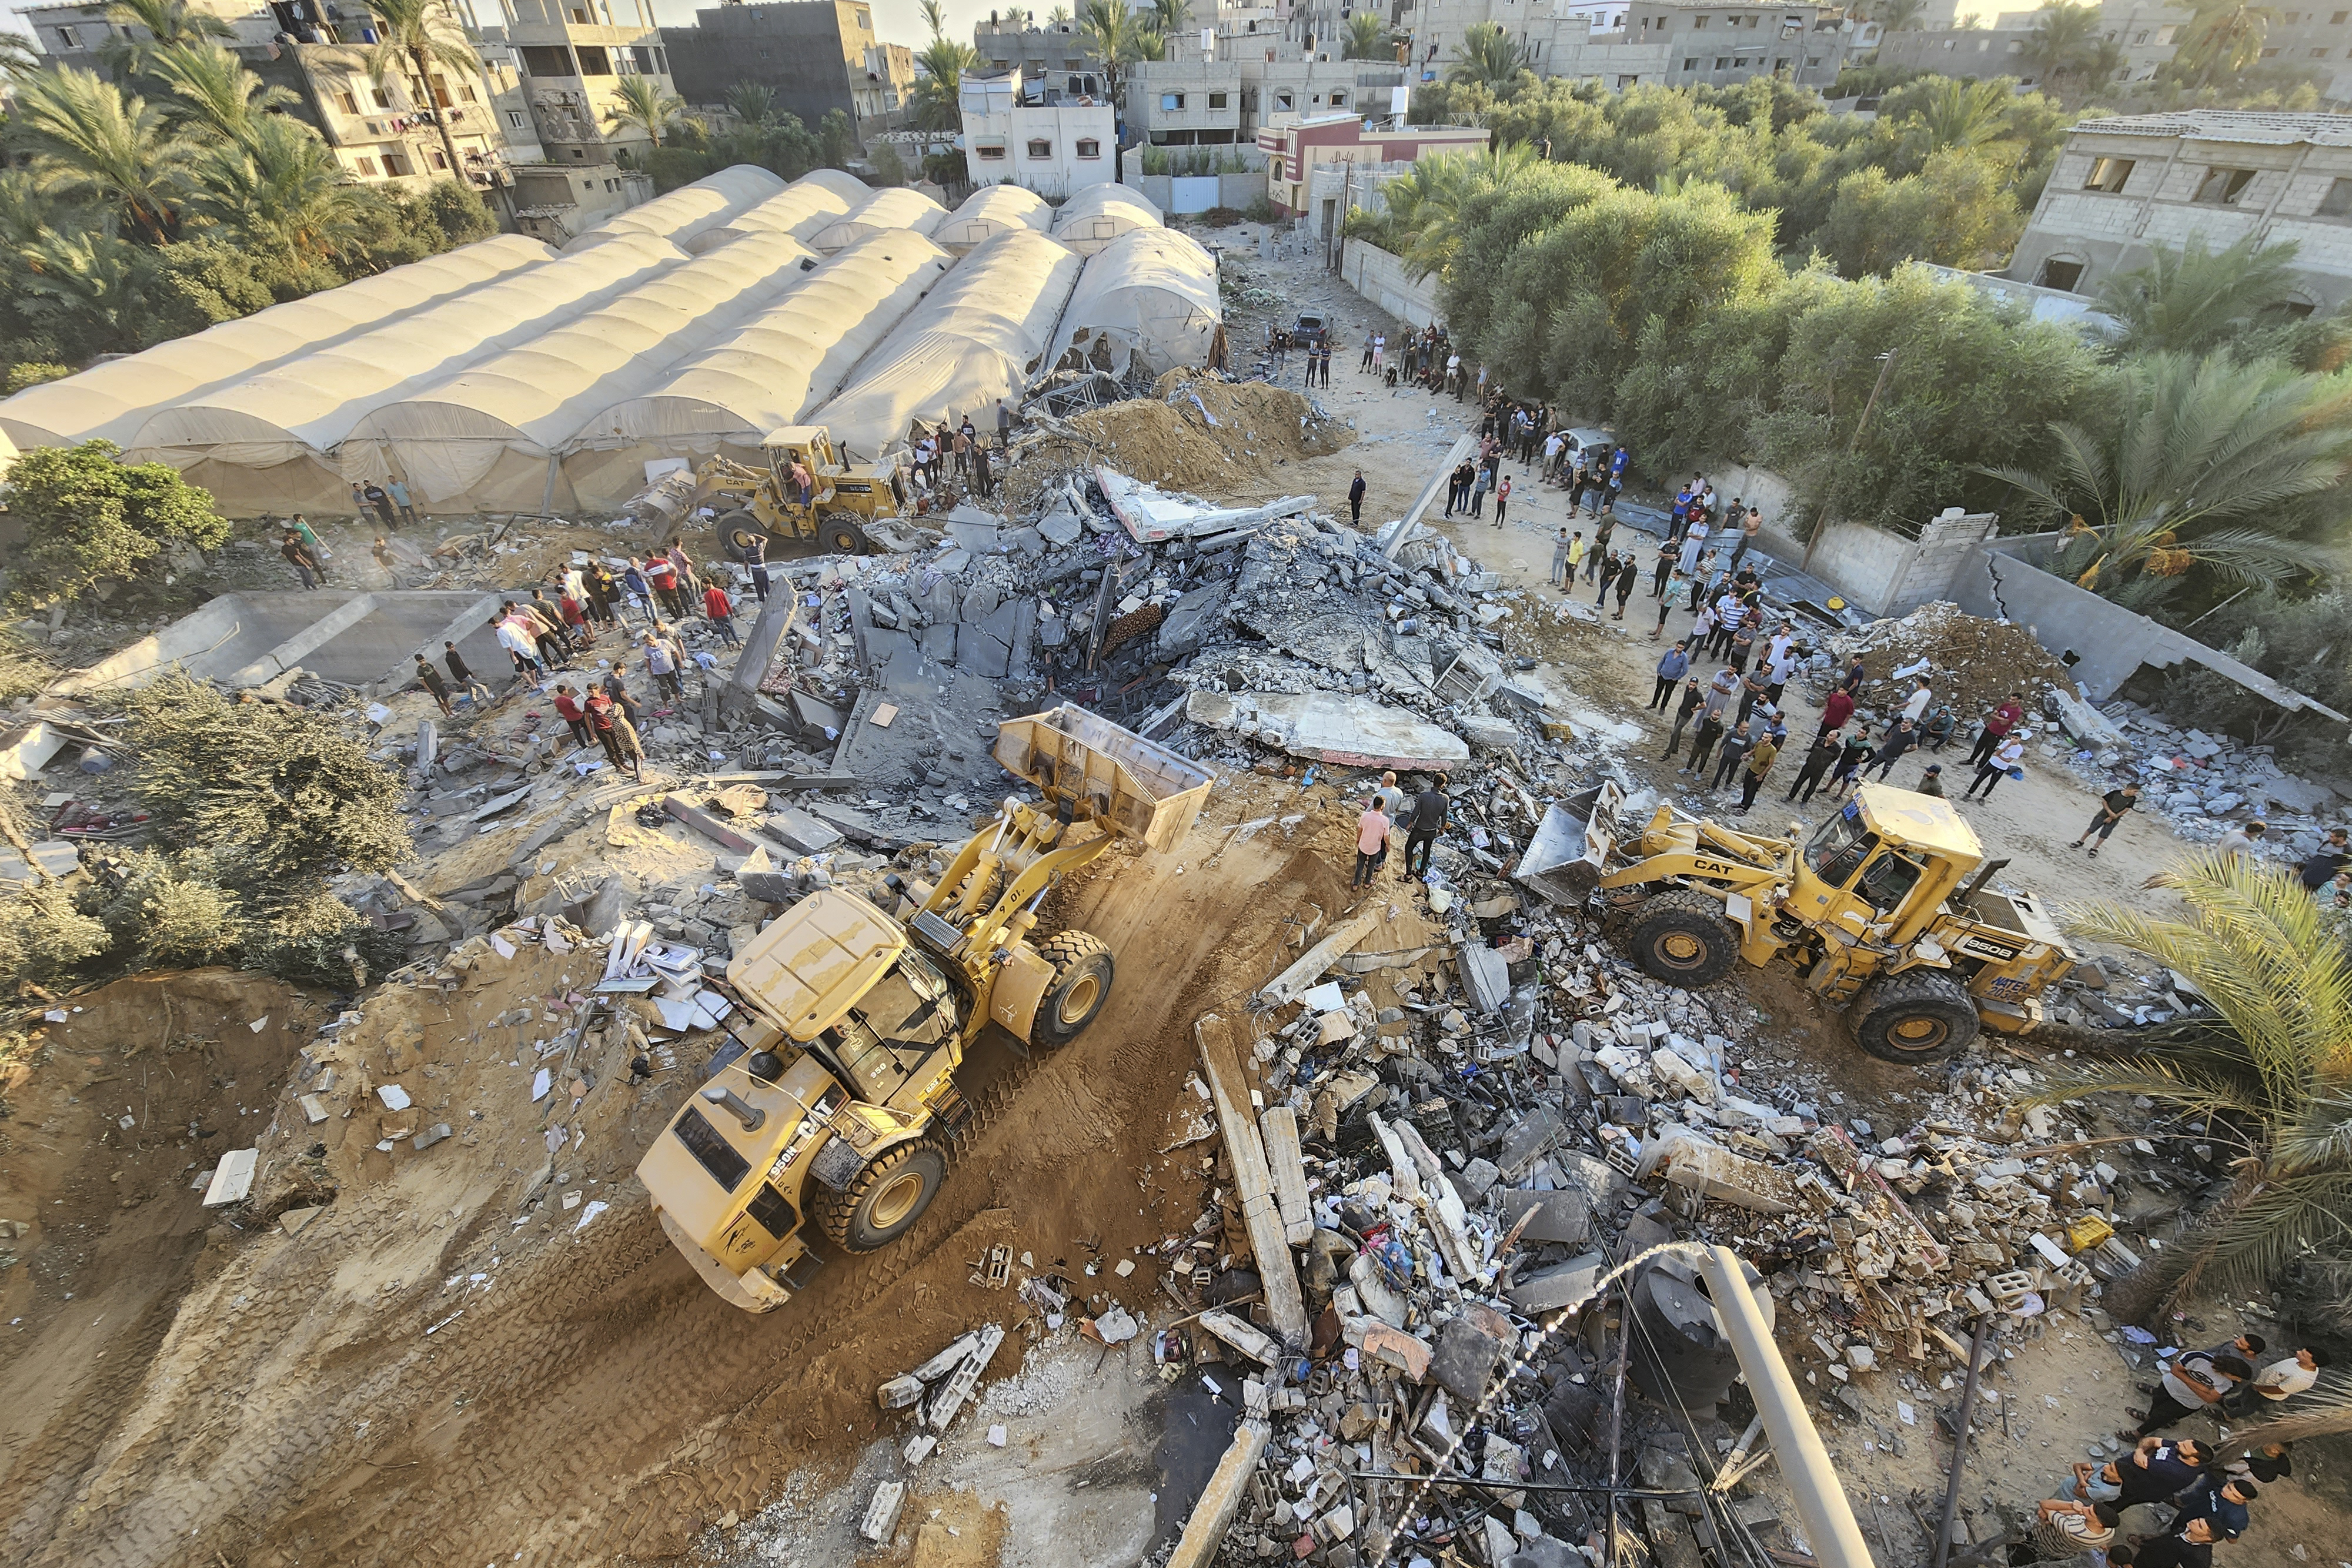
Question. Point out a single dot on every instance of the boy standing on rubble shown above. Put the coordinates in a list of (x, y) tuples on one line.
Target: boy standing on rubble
[(1371, 841), (430, 679), (618, 737), (462, 675)]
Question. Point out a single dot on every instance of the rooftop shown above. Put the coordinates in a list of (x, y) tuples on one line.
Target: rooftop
[(2256, 126)]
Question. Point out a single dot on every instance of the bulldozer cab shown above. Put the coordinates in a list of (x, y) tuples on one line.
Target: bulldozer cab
[(1882, 866), (811, 445)]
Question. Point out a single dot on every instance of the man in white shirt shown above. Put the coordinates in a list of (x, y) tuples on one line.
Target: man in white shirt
[(1694, 541), (2191, 1382), (1917, 704), (2281, 1380)]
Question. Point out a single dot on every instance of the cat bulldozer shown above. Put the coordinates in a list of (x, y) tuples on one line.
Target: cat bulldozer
[(849, 511), (1884, 912), (833, 1112)]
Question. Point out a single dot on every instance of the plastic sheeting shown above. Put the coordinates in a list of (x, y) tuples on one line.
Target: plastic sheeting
[(685, 212), (308, 405), (896, 208), (799, 209), (1100, 214), (980, 336), (991, 211), (484, 438), (772, 369), (1149, 295), (111, 400)]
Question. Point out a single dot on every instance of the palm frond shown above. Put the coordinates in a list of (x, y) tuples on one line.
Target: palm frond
[(2323, 1411)]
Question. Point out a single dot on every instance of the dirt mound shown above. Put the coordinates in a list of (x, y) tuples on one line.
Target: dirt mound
[(1974, 661), (1194, 433)]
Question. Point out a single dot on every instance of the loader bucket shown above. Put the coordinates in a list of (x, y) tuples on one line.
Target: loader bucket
[(1133, 786), (1571, 849)]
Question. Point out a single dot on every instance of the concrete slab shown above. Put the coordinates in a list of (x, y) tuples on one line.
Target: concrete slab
[(1190, 620), (362, 639), (1351, 732)]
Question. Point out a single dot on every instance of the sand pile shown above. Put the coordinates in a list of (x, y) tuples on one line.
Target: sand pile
[(1975, 661), (1200, 433)]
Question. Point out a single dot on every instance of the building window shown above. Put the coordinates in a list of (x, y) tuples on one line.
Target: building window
[(440, 159), (991, 152), (2108, 173), (383, 99), (1698, 23), (1811, 60), (1040, 149), (643, 57), (580, 15), (865, 21), (1690, 64), (348, 102), (1170, 102), (594, 62), (1722, 62), (1282, 100), (366, 166), (2222, 187), (68, 38), (547, 60), (2319, 54), (1090, 148), (514, 118), (1339, 100), (2337, 202), (1219, 100), (396, 165)]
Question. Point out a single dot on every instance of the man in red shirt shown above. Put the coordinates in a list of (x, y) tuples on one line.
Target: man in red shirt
[(575, 619), (567, 705), (617, 736), (1996, 728), (720, 612), (663, 575), (1834, 713)]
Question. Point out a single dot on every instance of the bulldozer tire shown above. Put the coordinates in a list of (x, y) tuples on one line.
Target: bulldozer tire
[(1923, 1016), (737, 530), (839, 533), (885, 1199), (1682, 937), (1081, 985)]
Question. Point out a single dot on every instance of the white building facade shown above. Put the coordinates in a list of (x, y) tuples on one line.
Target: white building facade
[(1054, 149)]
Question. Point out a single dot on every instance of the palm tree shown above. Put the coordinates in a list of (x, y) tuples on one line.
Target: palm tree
[(1119, 36), (935, 16), (2201, 451), (89, 138), (752, 103), (2222, 40), (280, 186), (1964, 114), (1488, 57), (1018, 19), (2197, 299), (420, 35), (939, 66), (1367, 38), (646, 104), (1897, 15), (1058, 16), (2064, 40), (1150, 44), (1170, 17), (1425, 207), (78, 277), (2273, 1074), (165, 23), (211, 88), (17, 54)]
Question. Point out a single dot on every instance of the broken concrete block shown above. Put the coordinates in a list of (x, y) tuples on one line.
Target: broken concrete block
[(294, 1220), (881, 1521), (1397, 1348), (1562, 1285), (430, 1136), (918, 1449), (314, 1110), (1526, 1142), (1476, 1179), (800, 832), (1242, 1336), (1466, 1359), (948, 1360), (900, 1393), (1486, 733), (1484, 975), (233, 1177), (1565, 1218)]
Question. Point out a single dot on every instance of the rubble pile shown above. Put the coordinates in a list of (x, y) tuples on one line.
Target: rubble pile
[(2204, 785), (1196, 432), (1973, 662), (1461, 1144)]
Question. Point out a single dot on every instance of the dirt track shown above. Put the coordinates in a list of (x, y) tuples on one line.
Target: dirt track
[(593, 1400)]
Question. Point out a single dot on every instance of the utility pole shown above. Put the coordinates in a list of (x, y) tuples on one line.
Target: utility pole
[(1885, 368)]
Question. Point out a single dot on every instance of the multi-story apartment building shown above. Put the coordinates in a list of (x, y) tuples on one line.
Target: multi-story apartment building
[(1627, 43), (1295, 150), (2319, 42), (2121, 186), (1062, 58), (818, 56), (2149, 35), (1013, 134), (1246, 83), (387, 133)]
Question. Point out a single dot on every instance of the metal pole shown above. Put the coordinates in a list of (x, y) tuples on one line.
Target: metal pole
[(1960, 1441), (1805, 1464), (1617, 1407)]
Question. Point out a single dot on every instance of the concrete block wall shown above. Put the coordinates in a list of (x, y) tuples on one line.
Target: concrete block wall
[(1382, 278)]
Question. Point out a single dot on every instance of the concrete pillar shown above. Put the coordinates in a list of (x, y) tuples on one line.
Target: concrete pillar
[(1221, 1500)]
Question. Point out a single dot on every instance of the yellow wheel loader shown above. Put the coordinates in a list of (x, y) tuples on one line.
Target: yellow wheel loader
[(835, 1107), (847, 511), (1884, 912)]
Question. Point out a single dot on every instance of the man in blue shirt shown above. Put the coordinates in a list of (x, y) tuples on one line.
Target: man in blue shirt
[(2223, 1508), (1671, 669)]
